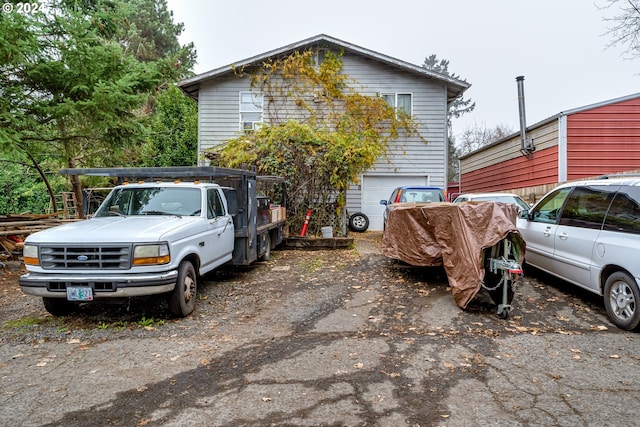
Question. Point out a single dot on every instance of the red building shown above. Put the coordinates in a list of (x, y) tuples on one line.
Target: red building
[(589, 141)]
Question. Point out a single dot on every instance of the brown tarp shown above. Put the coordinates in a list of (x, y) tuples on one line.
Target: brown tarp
[(453, 235)]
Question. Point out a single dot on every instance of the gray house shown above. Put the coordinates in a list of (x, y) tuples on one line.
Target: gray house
[(228, 107)]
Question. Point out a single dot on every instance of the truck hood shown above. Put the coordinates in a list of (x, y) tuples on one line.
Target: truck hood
[(129, 229)]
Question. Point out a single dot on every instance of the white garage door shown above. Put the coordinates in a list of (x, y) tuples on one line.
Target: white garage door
[(376, 188)]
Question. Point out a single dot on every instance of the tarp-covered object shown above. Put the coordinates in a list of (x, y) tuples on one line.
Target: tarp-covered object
[(453, 235)]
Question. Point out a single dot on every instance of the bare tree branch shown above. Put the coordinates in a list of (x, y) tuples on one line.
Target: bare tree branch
[(624, 25)]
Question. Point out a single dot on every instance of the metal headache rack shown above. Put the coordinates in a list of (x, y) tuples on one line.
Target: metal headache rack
[(201, 172)]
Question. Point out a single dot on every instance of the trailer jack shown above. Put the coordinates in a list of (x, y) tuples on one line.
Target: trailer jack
[(502, 265)]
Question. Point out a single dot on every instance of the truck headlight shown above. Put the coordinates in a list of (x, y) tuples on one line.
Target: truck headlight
[(151, 254), (30, 255)]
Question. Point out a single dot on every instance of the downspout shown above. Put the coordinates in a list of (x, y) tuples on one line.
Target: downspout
[(446, 139), (459, 177), (201, 159), (562, 148), (526, 145)]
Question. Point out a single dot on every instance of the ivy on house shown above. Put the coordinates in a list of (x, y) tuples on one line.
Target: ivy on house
[(320, 133)]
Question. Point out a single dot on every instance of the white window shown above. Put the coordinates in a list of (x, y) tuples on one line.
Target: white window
[(389, 98), (319, 56), (250, 110), (399, 101)]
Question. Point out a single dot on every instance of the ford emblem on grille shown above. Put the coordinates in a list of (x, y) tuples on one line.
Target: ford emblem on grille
[(83, 258)]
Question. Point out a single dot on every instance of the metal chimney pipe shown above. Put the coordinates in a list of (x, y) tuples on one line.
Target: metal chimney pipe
[(523, 120)]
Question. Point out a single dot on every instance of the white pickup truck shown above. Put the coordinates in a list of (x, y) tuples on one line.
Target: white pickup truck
[(153, 237)]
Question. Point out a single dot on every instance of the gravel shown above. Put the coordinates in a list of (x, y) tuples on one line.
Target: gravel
[(327, 337)]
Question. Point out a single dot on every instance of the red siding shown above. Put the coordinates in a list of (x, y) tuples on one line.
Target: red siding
[(604, 140), (515, 173)]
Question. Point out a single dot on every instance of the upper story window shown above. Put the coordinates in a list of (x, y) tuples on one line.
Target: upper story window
[(250, 110), (319, 55), (399, 101)]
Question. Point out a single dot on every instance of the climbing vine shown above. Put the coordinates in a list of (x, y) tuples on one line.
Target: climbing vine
[(319, 133)]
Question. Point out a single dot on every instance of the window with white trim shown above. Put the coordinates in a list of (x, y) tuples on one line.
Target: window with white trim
[(399, 101), (319, 56), (250, 110)]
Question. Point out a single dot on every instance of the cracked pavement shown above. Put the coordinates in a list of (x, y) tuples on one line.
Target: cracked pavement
[(323, 338)]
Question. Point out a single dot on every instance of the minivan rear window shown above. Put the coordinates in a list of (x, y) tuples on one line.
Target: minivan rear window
[(624, 214), (586, 207)]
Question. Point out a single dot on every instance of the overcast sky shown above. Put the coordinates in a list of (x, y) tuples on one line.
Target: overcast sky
[(560, 46)]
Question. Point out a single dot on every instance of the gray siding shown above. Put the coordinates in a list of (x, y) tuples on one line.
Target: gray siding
[(354, 198), (219, 111), (410, 155), (218, 105)]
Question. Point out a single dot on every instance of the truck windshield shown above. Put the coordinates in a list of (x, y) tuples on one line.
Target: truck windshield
[(151, 201)]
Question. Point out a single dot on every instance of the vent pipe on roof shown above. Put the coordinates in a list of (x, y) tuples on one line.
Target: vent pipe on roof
[(526, 145)]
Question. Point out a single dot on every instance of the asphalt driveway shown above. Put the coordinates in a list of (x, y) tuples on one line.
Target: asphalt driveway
[(321, 338)]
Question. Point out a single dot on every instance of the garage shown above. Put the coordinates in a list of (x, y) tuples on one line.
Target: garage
[(380, 187)]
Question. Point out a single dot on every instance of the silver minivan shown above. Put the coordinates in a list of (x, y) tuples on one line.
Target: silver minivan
[(588, 233), (493, 197)]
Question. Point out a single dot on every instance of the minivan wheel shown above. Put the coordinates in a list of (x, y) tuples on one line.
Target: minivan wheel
[(621, 297)]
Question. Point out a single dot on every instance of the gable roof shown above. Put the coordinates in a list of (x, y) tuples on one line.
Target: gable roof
[(455, 87)]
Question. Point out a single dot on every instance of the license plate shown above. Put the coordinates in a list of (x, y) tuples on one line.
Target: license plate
[(79, 293)]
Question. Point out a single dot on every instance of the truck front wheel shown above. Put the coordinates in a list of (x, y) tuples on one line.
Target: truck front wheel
[(58, 306), (182, 301)]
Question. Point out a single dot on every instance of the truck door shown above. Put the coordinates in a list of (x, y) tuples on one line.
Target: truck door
[(219, 247)]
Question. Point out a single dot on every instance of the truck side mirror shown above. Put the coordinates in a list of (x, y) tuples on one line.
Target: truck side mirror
[(383, 202)]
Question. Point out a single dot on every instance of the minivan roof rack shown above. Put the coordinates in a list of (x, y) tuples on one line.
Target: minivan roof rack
[(620, 175)]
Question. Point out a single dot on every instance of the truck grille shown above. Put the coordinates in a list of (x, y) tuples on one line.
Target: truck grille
[(115, 257)]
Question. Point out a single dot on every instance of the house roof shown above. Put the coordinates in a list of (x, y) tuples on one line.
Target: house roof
[(553, 118), (455, 87)]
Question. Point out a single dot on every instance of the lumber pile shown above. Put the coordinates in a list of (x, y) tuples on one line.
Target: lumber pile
[(15, 228)]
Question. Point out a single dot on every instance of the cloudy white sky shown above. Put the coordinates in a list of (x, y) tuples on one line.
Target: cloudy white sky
[(560, 46)]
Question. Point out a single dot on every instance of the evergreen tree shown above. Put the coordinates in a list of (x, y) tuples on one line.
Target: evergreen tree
[(461, 105), (172, 138), (75, 78), (456, 109)]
